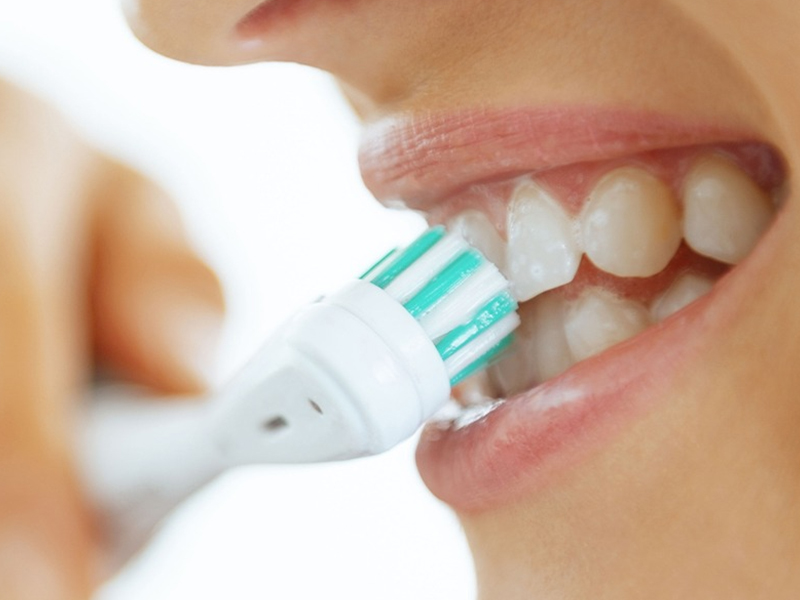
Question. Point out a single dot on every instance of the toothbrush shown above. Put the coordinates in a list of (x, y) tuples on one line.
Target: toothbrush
[(351, 375)]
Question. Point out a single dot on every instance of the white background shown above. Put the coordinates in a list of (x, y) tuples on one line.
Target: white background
[(262, 159)]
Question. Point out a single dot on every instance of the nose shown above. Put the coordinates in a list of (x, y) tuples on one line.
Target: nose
[(194, 31), (379, 49)]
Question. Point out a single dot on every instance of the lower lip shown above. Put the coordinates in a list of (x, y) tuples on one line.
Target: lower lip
[(525, 441)]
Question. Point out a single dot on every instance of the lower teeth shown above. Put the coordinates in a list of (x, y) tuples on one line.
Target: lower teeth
[(686, 289), (599, 320), (540, 350), (557, 332)]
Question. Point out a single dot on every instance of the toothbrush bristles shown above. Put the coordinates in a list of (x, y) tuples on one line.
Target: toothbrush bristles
[(458, 296)]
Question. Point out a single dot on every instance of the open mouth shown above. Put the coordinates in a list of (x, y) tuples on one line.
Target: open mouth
[(627, 259)]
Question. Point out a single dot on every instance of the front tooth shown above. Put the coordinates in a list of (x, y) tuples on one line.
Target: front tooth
[(631, 224), (684, 290), (725, 211), (599, 319), (540, 350), (543, 251), (478, 231)]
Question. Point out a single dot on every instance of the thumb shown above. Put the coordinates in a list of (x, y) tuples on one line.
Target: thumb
[(156, 307)]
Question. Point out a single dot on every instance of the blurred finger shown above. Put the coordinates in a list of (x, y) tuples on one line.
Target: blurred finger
[(45, 549), (46, 541), (157, 308)]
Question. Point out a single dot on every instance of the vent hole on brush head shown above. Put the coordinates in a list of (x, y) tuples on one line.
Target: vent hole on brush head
[(315, 406), (275, 425)]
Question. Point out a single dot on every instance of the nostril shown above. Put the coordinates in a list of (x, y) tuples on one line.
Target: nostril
[(265, 15)]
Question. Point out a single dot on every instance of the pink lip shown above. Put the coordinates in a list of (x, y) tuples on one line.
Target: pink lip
[(424, 159), (528, 439)]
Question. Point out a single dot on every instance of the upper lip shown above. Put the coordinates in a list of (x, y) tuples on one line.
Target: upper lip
[(421, 159)]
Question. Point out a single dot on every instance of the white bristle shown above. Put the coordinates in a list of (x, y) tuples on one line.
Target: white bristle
[(410, 281), (462, 304), (481, 345)]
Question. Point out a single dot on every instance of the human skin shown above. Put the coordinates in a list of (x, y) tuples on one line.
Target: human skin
[(699, 494), (96, 270)]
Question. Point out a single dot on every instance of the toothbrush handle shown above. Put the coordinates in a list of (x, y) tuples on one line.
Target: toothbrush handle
[(140, 458), (350, 376)]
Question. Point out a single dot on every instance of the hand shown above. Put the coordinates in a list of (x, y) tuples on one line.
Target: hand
[(94, 268)]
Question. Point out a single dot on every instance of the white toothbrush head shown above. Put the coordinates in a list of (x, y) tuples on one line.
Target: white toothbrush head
[(359, 371), (460, 299)]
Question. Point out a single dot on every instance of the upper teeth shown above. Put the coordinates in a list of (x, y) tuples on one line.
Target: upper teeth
[(726, 212), (475, 227), (543, 251), (631, 226)]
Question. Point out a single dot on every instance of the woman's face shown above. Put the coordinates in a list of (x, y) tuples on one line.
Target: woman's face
[(618, 157)]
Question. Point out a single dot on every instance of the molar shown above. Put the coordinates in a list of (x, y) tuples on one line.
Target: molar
[(631, 224), (540, 350), (725, 211), (598, 319), (683, 291), (543, 251), (478, 231)]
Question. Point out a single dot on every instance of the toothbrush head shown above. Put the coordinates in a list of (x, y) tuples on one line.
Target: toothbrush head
[(359, 371), (460, 299)]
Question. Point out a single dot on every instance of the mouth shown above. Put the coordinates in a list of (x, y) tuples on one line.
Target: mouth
[(631, 242)]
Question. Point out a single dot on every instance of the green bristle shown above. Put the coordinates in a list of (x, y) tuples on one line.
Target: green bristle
[(408, 257), (443, 283), (383, 260), (491, 313), (441, 286), (483, 361)]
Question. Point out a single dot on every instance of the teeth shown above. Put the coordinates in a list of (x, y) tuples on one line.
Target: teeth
[(685, 290), (475, 390), (543, 252), (479, 232), (599, 319), (631, 224), (540, 349), (725, 211)]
